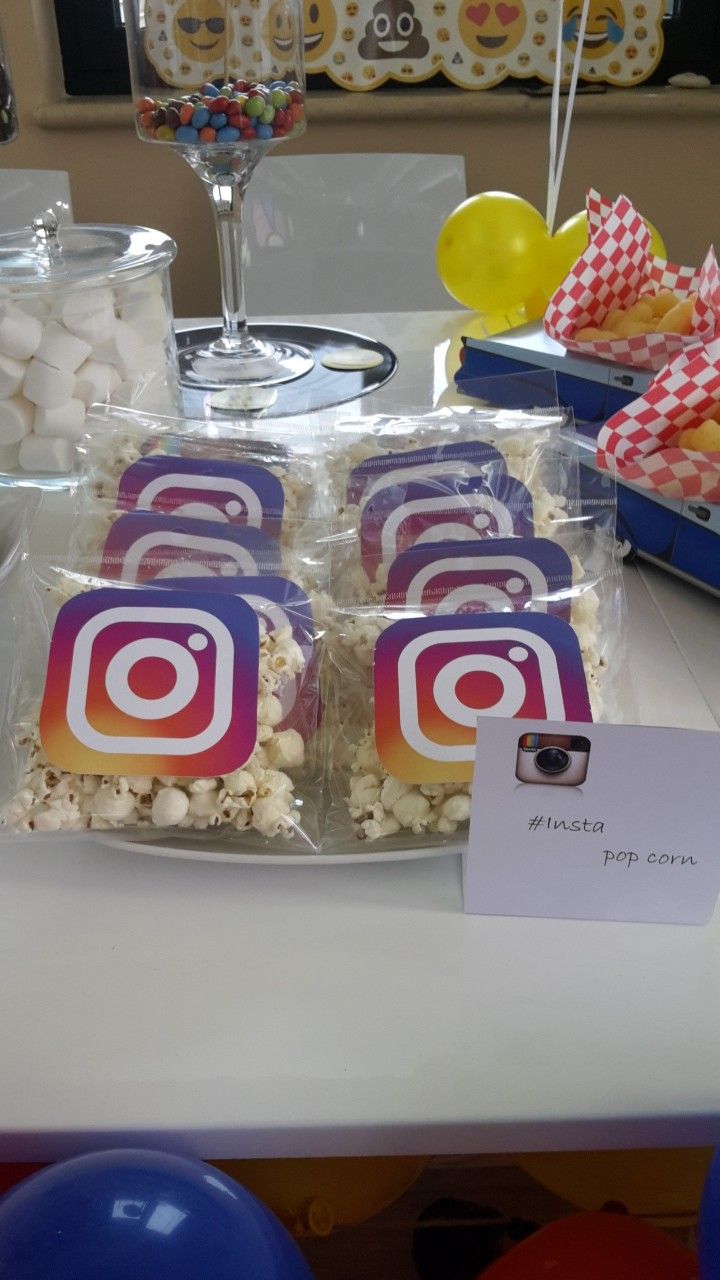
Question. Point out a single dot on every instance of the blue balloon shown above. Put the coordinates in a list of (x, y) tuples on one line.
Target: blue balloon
[(141, 1215), (709, 1223)]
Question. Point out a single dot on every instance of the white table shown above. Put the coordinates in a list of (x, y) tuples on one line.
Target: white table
[(245, 1011)]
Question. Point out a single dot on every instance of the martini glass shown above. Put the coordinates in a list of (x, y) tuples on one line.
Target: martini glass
[(222, 82)]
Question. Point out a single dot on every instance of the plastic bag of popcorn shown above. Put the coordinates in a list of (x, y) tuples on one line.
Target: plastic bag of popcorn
[(140, 544), (511, 627), (167, 464), (184, 706)]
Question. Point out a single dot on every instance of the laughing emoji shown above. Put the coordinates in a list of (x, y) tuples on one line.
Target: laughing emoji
[(280, 30), (493, 28), (604, 30), (319, 27)]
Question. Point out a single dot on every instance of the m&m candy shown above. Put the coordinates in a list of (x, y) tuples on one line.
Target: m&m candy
[(224, 114)]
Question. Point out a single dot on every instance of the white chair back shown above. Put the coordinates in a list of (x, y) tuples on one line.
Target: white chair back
[(24, 193), (345, 233)]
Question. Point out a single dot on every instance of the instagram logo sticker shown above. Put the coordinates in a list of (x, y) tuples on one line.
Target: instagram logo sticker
[(500, 575), (427, 513), (438, 461), (435, 676), (144, 545), (204, 489), (151, 682), (278, 603)]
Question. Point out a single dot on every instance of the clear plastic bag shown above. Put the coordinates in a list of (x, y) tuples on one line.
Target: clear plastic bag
[(118, 440), (540, 631), (204, 752), (446, 477)]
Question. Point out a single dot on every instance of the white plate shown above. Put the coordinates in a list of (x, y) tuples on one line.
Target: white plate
[(166, 849)]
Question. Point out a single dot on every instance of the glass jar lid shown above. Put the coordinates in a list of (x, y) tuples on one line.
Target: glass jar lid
[(47, 253)]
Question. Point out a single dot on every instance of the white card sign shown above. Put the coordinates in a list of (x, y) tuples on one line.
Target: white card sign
[(594, 822)]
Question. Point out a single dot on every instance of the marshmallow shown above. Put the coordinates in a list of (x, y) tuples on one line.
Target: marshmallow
[(90, 316), (147, 315), (16, 419), (9, 454), (124, 349), (48, 387), (46, 453), (67, 421), (39, 306), (95, 383), (146, 287), (20, 334), (12, 373), (62, 349), (151, 359)]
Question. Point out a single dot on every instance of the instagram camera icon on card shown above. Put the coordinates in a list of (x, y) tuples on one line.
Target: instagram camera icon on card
[(437, 461), (204, 489), (277, 603), (144, 545), (435, 676), (393, 521), (499, 575), (151, 682)]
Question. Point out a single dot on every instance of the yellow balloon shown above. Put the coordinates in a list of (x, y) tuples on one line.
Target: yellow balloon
[(483, 326), (536, 305), (663, 1183), (570, 242), (313, 1196), (491, 252)]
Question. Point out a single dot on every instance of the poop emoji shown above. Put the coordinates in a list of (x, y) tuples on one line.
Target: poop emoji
[(492, 27), (393, 32), (604, 30), (319, 27)]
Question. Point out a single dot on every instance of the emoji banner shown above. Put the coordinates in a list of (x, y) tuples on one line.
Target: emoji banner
[(361, 44)]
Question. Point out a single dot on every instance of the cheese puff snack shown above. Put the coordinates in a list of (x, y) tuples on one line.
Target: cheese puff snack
[(703, 439), (660, 312)]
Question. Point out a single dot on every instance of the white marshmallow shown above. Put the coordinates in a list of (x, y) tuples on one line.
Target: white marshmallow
[(48, 387), (9, 454), (38, 305), (147, 316), (67, 421), (152, 358), (90, 316), (95, 383), (12, 373), (146, 287), (62, 349), (20, 334), (124, 348), (46, 453), (16, 419)]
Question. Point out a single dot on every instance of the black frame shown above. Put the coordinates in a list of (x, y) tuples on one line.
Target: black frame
[(94, 53)]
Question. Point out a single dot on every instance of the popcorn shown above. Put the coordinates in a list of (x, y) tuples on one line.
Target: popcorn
[(259, 796)]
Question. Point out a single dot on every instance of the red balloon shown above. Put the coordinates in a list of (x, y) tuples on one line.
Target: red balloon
[(596, 1246), (11, 1174)]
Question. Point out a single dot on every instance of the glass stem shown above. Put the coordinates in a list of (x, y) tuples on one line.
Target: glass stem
[(227, 194)]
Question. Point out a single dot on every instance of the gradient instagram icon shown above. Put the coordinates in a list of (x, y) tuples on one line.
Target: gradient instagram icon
[(151, 681), (435, 676)]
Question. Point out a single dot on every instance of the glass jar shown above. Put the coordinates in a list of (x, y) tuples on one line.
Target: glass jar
[(85, 318)]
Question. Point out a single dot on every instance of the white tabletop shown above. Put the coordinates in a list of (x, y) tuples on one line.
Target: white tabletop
[(245, 1011)]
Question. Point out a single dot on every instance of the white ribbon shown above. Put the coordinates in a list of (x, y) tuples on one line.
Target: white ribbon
[(557, 161)]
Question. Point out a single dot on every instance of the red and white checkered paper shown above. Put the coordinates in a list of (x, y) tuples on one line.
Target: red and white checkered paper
[(615, 270), (637, 443)]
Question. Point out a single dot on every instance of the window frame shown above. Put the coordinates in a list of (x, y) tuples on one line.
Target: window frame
[(94, 54)]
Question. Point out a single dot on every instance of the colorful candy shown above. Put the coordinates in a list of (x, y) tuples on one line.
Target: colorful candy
[(224, 114)]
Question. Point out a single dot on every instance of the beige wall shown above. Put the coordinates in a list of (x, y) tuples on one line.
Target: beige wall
[(661, 150)]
